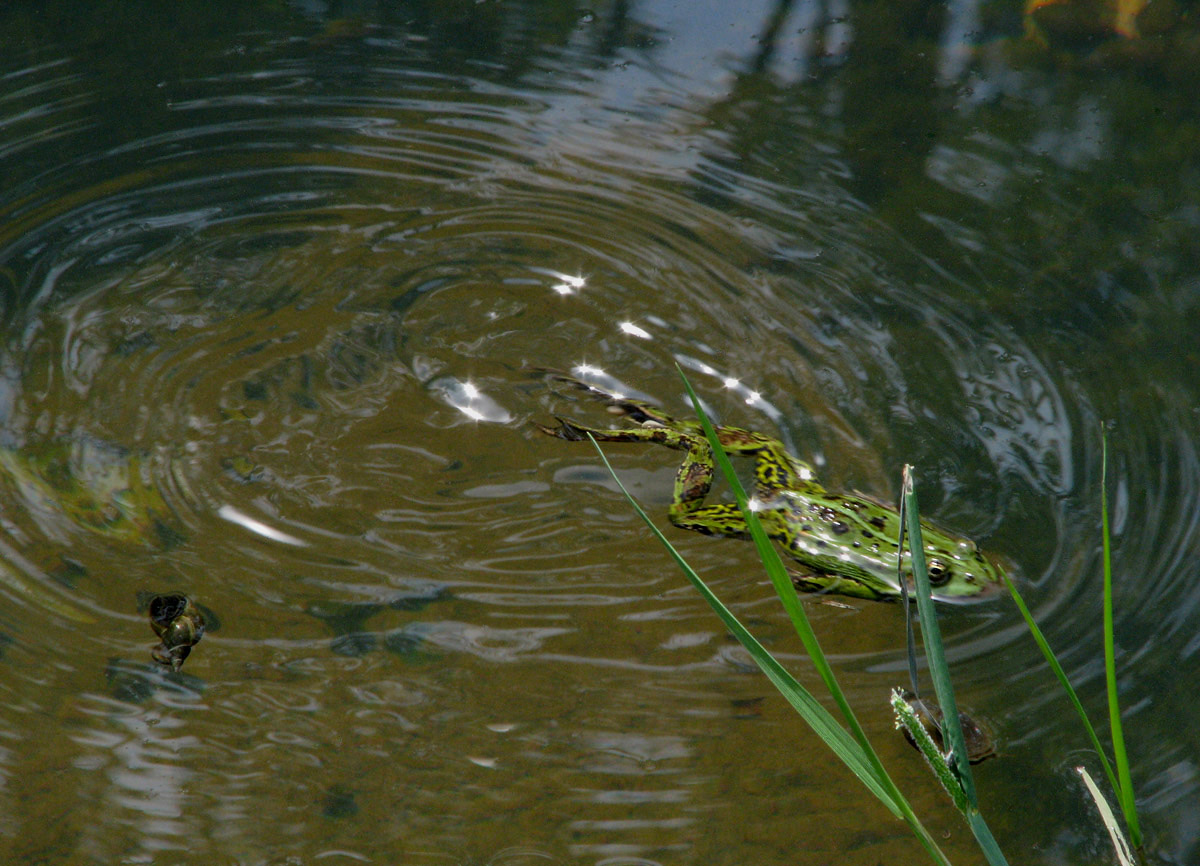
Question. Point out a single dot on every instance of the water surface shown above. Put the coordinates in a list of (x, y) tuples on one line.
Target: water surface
[(273, 279)]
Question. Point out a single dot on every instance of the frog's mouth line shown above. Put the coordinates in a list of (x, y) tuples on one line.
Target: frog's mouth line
[(816, 584), (986, 591)]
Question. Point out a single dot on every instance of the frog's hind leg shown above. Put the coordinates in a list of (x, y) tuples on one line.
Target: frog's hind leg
[(693, 482), (723, 519), (774, 470), (573, 431), (637, 411)]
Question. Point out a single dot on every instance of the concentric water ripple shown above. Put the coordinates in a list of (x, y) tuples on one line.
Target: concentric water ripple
[(271, 344)]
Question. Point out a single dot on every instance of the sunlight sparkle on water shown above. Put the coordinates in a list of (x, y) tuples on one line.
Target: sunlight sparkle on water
[(468, 399), (244, 520), (731, 383), (595, 377), (567, 285), (634, 331)]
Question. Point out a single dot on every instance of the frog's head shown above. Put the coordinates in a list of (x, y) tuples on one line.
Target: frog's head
[(958, 569), (864, 566)]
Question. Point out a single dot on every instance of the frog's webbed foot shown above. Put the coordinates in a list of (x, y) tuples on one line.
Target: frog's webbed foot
[(568, 430)]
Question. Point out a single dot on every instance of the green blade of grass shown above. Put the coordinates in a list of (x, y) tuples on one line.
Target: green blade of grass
[(1119, 783), (778, 573), (1124, 791), (983, 836), (931, 637), (1052, 660), (818, 718), (782, 582), (939, 673)]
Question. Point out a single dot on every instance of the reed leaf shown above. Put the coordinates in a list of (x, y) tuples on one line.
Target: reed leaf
[(1120, 845), (782, 582), (939, 673), (1120, 778), (931, 637), (818, 718), (1124, 790), (1052, 660)]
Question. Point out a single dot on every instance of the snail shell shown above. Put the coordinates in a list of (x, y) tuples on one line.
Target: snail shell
[(178, 624)]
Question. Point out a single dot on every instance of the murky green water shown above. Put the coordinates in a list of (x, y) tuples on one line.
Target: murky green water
[(272, 277)]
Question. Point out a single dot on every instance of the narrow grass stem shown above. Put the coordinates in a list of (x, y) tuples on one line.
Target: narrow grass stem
[(931, 636), (1052, 660), (1120, 778), (939, 672), (1124, 790)]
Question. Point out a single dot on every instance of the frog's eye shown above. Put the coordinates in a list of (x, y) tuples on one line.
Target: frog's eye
[(939, 572)]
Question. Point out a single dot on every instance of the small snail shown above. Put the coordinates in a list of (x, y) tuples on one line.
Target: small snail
[(178, 624)]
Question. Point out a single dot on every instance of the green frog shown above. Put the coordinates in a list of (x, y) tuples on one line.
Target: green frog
[(844, 544)]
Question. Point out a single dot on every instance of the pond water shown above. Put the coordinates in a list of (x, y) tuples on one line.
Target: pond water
[(274, 282)]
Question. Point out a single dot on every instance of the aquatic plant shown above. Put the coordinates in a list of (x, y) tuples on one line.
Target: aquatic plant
[(1120, 778), (847, 739)]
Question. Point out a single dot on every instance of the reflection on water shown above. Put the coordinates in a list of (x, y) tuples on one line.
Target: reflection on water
[(469, 400), (258, 527), (270, 296), (139, 755)]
